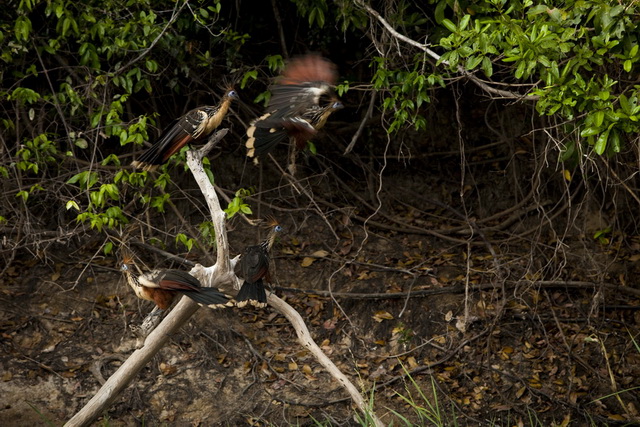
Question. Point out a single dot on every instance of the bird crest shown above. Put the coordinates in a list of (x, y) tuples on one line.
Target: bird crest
[(126, 256), (127, 261), (228, 85), (271, 221)]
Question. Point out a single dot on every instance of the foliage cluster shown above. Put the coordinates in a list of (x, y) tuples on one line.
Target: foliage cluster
[(83, 83), (576, 60)]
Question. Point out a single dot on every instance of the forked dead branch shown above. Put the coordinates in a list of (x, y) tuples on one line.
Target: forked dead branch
[(219, 275)]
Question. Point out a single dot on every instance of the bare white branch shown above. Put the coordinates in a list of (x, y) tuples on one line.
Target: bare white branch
[(138, 359), (307, 341), (219, 275)]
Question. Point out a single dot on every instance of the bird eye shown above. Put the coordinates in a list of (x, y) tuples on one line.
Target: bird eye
[(337, 105), (124, 267), (277, 228), (232, 94)]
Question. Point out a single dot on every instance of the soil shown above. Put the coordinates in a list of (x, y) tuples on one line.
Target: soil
[(489, 332)]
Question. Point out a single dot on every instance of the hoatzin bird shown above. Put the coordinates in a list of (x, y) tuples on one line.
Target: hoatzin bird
[(300, 128), (253, 267), (194, 126), (161, 287), (294, 108)]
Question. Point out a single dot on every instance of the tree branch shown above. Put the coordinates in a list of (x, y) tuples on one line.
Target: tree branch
[(138, 359), (307, 341), (219, 275), (194, 160)]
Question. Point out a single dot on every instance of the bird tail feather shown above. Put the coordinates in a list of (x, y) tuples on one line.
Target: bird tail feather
[(253, 294), (262, 140), (209, 297)]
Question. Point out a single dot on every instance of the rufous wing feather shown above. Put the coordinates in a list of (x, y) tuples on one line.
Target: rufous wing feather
[(309, 68)]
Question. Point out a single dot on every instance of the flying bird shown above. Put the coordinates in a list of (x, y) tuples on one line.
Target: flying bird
[(253, 267), (162, 286), (295, 108), (193, 127), (299, 128)]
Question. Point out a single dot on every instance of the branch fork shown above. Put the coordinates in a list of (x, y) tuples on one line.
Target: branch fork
[(219, 275)]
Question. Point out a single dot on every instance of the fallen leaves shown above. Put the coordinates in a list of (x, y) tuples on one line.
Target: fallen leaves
[(309, 260), (380, 316)]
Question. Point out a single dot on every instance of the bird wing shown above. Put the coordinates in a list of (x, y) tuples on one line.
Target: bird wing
[(261, 139), (170, 141), (309, 68), (174, 280), (265, 133), (179, 133), (254, 263), (210, 297), (302, 82), (294, 100)]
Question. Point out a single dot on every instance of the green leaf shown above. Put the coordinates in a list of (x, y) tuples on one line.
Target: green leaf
[(252, 74), (598, 118), (439, 13), (520, 69), (487, 66), (601, 142), (626, 105), (589, 131), (464, 22), (473, 62), (536, 10), (614, 141), (449, 25), (108, 248), (24, 194), (71, 204)]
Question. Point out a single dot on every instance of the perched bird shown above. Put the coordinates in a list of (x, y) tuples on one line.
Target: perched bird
[(194, 126), (295, 101), (161, 287), (253, 267)]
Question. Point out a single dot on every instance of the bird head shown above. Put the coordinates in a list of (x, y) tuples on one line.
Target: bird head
[(126, 261), (273, 224), (337, 105), (231, 94), (275, 229)]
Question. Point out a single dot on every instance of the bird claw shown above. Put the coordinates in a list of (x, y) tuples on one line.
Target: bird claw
[(148, 324)]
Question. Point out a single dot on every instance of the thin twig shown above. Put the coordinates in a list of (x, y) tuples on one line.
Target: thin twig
[(174, 16), (365, 119)]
